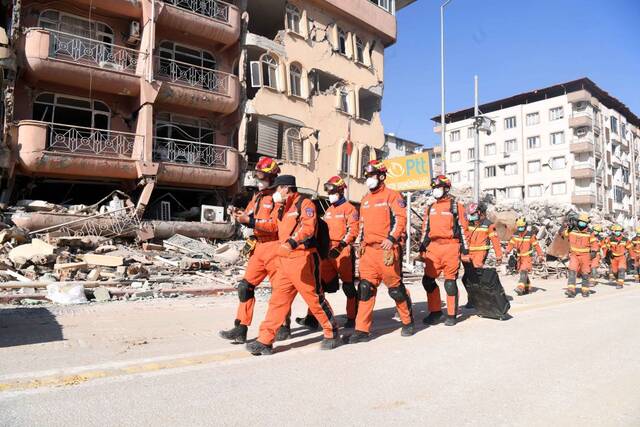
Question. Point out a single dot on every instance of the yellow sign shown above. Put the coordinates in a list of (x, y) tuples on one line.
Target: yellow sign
[(409, 172)]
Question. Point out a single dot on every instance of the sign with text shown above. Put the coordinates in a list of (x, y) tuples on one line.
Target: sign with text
[(409, 172)]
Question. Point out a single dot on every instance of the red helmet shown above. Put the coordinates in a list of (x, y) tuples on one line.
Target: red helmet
[(441, 181), (473, 208), (335, 184), (267, 167), (375, 167)]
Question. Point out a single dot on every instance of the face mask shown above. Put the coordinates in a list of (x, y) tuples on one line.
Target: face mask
[(333, 198), (582, 224), (618, 233), (438, 192), (521, 229), (277, 197), (262, 184), (473, 217), (372, 182)]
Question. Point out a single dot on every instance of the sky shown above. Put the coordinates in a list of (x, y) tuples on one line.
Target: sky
[(513, 46)]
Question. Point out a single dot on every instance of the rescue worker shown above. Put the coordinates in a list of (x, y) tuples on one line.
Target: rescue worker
[(297, 268), (616, 247), (258, 216), (583, 248), (481, 236), (600, 237), (343, 222), (443, 242), (635, 254), (382, 220), (524, 243)]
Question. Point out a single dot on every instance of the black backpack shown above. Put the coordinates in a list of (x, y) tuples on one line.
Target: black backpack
[(321, 240)]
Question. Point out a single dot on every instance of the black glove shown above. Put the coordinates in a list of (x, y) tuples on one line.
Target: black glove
[(334, 253), (593, 255), (423, 247)]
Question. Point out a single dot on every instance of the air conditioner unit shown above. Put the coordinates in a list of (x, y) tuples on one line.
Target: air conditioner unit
[(580, 132), (134, 32), (250, 179), (210, 213), (582, 105)]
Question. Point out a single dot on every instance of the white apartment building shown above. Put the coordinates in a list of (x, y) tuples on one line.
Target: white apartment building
[(568, 143)]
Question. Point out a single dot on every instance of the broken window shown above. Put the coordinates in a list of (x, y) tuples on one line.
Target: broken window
[(365, 156), (266, 16), (293, 18), (342, 42), (292, 145), (170, 51), (344, 159), (182, 139), (323, 82), (343, 100), (184, 128), (369, 103), (359, 50), (295, 79), (265, 72), (62, 109)]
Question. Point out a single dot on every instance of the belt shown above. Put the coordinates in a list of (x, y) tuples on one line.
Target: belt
[(525, 253), (479, 248), (580, 250), (613, 254)]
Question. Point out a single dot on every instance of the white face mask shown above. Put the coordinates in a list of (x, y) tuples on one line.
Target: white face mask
[(262, 184), (334, 198), (438, 192), (277, 197), (372, 182)]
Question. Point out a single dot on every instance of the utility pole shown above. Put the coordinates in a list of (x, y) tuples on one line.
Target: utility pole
[(476, 143), (443, 126)]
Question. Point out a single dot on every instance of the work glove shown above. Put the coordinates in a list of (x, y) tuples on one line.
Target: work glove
[(388, 257), (335, 252)]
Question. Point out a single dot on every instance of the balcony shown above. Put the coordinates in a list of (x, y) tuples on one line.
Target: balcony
[(53, 149), (374, 17), (581, 145), (193, 163), (583, 170), (580, 119), (583, 196), (128, 8), (207, 20), (196, 88), (80, 62)]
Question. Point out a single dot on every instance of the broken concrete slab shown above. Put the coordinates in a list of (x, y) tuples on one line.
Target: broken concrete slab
[(23, 253), (37, 206), (101, 294), (70, 266), (103, 260)]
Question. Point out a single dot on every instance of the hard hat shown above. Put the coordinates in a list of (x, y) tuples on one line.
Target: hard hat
[(441, 181), (267, 166), (375, 167), (584, 217), (616, 227), (521, 222), (597, 228), (334, 184), (473, 208)]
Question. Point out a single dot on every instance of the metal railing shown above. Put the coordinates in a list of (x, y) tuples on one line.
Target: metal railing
[(192, 75), (209, 8), (190, 152), (582, 113), (89, 51), (107, 225), (584, 192), (83, 140), (584, 165)]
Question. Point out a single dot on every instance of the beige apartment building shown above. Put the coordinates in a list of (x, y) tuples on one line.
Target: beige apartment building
[(568, 143)]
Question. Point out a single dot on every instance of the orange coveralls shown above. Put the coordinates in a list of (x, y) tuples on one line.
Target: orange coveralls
[(480, 238), (343, 221), (262, 262), (382, 216), (297, 271), (444, 239), (635, 255), (595, 262), (618, 247), (524, 244), (581, 245)]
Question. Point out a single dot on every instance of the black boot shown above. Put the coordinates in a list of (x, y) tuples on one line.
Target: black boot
[(350, 324), (283, 333), (451, 321), (407, 330), (469, 305), (358, 336), (258, 349), (309, 322), (329, 343), (237, 334), (570, 292), (433, 318)]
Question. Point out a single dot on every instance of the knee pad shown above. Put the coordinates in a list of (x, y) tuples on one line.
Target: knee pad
[(524, 277), (399, 293), (365, 290), (429, 284), (331, 286), (621, 274), (349, 290), (245, 291), (451, 287)]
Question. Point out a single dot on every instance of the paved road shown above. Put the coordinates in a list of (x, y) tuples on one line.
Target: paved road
[(558, 361)]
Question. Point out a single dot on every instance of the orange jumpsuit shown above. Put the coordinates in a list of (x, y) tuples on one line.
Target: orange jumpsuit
[(635, 255), (444, 239), (618, 247), (581, 245), (262, 262), (343, 221), (595, 262), (480, 238), (382, 216), (297, 270), (524, 244)]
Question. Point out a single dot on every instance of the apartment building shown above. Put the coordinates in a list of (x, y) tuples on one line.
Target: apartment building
[(395, 146), (568, 143), (314, 77)]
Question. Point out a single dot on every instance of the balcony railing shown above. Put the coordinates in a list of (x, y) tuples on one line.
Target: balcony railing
[(88, 51), (83, 140), (584, 165), (193, 75), (584, 191), (190, 152), (209, 8)]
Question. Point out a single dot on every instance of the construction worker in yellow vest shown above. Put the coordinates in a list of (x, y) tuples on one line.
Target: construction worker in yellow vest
[(616, 246), (524, 243), (583, 247), (600, 236), (635, 253)]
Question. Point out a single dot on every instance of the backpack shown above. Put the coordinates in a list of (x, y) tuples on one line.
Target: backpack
[(321, 240)]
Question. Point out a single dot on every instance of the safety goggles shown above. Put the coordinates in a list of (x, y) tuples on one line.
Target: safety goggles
[(331, 188), (262, 176)]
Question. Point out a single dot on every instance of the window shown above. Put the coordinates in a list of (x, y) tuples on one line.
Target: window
[(471, 153), (454, 135), (359, 50), (343, 99), (76, 25), (557, 138), (490, 149), (556, 113), (292, 146), (558, 188), (533, 119), (623, 130), (455, 176), (293, 18), (533, 142), (614, 125), (470, 132), (511, 169), (365, 157), (344, 159), (62, 109), (489, 171), (533, 166), (535, 190), (184, 128), (385, 4), (557, 163), (170, 51), (510, 146), (510, 122), (295, 79), (342, 42), (455, 156), (618, 194), (470, 175), (625, 175), (514, 192), (265, 72)]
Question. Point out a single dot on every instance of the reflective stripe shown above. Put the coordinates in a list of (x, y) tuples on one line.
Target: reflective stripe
[(479, 228), (580, 250), (479, 248), (526, 253), (520, 239), (575, 233)]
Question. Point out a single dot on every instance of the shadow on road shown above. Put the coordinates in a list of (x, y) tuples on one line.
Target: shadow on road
[(22, 326)]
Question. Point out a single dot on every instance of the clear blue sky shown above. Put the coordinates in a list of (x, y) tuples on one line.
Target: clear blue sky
[(514, 46)]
